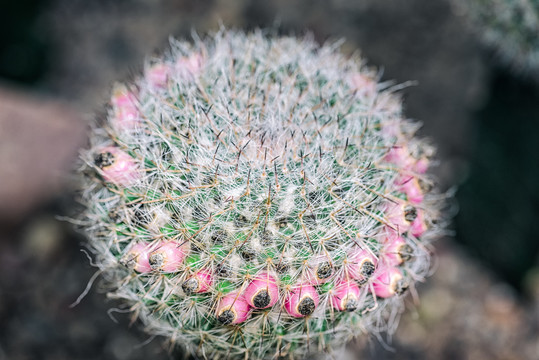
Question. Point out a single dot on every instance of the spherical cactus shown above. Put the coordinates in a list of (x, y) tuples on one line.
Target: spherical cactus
[(509, 26), (256, 197)]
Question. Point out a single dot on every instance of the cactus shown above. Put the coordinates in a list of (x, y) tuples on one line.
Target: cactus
[(509, 26), (256, 197)]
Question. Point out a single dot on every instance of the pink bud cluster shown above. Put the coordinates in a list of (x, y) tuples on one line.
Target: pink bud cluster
[(164, 256), (302, 298), (404, 219), (126, 115), (262, 291), (407, 216)]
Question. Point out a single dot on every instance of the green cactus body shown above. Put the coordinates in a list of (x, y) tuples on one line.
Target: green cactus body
[(252, 197)]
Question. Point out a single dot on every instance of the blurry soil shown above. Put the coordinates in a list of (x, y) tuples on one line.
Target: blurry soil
[(39, 139)]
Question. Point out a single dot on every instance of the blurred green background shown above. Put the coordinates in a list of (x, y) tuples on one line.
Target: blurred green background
[(58, 60)]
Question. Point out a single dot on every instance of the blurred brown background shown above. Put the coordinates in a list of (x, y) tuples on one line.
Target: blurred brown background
[(58, 60)]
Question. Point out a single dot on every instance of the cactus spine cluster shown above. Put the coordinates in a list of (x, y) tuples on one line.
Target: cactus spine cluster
[(257, 197)]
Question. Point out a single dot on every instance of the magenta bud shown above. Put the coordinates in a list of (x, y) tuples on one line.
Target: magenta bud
[(167, 256), (301, 301), (413, 191), (345, 296), (362, 85), (116, 166), (389, 282), (399, 156), (400, 216), (262, 292), (418, 226), (421, 166), (232, 309), (396, 250), (124, 104), (157, 75), (189, 67), (137, 257), (361, 264), (200, 282)]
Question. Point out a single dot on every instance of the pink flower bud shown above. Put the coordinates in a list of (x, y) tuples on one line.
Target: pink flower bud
[(399, 156), (345, 296), (137, 258), (124, 104), (262, 292), (167, 256), (232, 309), (189, 67), (400, 216), (419, 225), (396, 250), (389, 282), (200, 282), (319, 270), (157, 75), (361, 264), (301, 300), (421, 166), (362, 85), (116, 166), (413, 191)]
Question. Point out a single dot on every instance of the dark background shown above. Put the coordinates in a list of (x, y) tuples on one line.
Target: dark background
[(58, 60)]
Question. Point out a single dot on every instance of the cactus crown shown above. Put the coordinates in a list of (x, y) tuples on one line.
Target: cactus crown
[(251, 196)]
